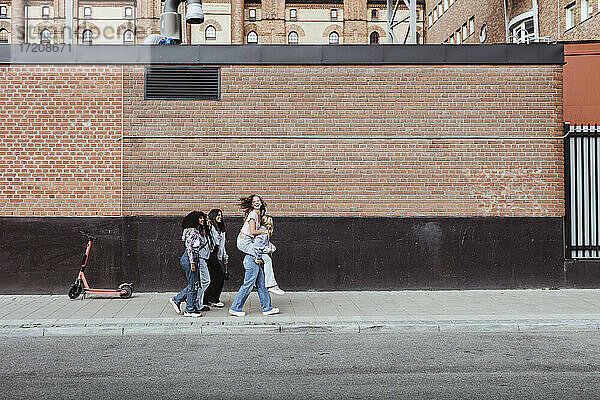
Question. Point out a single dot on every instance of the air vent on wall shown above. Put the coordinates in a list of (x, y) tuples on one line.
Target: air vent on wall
[(182, 83)]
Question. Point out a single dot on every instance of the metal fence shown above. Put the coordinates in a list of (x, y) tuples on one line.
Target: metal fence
[(582, 167)]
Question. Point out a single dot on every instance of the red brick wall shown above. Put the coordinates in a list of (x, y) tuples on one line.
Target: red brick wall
[(59, 140), (351, 177)]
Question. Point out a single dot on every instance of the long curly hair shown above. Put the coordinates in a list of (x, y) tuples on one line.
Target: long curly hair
[(246, 205), (192, 220)]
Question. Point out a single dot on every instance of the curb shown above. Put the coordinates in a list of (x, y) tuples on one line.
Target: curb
[(365, 327)]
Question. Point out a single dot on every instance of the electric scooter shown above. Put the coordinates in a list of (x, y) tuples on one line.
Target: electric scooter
[(124, 290)]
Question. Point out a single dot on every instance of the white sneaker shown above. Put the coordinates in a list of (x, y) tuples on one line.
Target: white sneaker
[(176, 306), (194, 314), (219, 304), (272, 311), (276, 290), (237, 313)]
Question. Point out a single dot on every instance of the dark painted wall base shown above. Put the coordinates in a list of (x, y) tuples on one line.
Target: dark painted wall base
[(582, 273), (42, 255)]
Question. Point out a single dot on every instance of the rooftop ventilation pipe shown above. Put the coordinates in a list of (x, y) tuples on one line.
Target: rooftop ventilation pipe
[(170, 19)]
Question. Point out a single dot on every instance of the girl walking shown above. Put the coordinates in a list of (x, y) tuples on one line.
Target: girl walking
[(192, 261), (217, 256), (254, 209)]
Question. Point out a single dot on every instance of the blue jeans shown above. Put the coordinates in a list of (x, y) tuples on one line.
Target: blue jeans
[(202, 269), (190, 292), (254, 273)]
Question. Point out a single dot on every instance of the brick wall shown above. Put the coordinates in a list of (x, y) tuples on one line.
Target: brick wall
[(61, 153), (553, 24), (343, 176)]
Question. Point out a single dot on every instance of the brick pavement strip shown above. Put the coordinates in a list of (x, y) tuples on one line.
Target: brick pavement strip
[(362, 312)]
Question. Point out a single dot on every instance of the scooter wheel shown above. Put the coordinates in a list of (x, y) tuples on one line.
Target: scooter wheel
[(128, 291), (75, 291)]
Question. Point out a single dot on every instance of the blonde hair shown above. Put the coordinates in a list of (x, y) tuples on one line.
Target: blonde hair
[(267, 222)]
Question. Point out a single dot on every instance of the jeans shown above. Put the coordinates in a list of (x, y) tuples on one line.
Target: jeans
[(269, 274), (254, 273), (213, 292), (202, 269), (244, 244), (189, 293)]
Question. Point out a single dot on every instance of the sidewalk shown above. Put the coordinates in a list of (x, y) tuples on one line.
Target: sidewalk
[(532, 310)]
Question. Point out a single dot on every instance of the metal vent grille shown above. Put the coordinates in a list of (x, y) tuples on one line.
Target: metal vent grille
[(181, 83)]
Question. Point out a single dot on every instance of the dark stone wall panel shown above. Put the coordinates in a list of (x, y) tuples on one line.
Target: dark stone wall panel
[(42, 255)]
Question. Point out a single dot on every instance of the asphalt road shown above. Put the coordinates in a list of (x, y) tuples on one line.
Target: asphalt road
[(303, 366)]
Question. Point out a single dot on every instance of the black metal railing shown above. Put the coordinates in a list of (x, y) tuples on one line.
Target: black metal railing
[(582, 167)]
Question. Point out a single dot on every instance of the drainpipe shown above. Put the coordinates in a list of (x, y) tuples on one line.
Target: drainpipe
[(170, 19), (506, 22)]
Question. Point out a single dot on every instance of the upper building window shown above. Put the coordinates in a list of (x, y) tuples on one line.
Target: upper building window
[(87, 12), (128, 36), (210, 33), (3, 11), (523, 31), (457, 36), (334, 14), (430, 19), (587, 9), (483, 33), (374, 15), (3, 36), (252, 14), (446, 5), (435, 14), (451, 39), (374, 38), (465, 31), (440, 9), (334, 38), (293, 38), (128, 12), (86, 36), (293, 14), (45, 36), (45, 12), (252, 37), (471, 26), (451, 2), (570, 16)]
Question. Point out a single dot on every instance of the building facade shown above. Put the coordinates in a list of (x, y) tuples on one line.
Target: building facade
[(226, 22), (511, 21)]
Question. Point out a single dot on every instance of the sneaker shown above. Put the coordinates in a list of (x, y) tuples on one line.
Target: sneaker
[(237, 313), (272, 311), (176, 307), (276, 289), (193, 314), (204, 308), (219, 304)]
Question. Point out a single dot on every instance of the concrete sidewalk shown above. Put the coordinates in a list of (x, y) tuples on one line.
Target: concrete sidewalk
[(310, 312)]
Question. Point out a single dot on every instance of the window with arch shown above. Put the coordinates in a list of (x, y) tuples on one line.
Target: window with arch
[(45, 36), (252, 37), (374, 38), (3, 36), (252, 14), (210, 33), (86, 36), (3, 11), (45, 11), (374, 15), (128, 36), (128, 12), (293, 38), (334, 38)]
